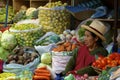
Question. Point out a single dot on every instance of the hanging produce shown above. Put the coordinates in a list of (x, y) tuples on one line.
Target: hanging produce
[(54, 17)]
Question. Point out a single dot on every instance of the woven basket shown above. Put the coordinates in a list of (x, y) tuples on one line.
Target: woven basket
[(97, 70), (82, 15)]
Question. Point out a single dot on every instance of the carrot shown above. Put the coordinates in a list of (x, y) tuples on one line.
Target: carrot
[(42, 74), (66, 44), (42, 68), (41, 71), (73, 46), (41, 77), (68, 48), (55, 49)]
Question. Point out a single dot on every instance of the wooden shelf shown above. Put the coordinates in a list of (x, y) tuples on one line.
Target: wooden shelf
[(39, 0)]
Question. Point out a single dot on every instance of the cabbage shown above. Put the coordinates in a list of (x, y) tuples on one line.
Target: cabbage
[(46, 58), (3, 53), (69, 77), (0, 36), (8, 41), (42, 65)]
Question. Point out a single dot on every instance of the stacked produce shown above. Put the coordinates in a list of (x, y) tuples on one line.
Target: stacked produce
[(22, 56), (41, 74), (48, 38), (111, 60), (61, 55), (83, 77), (26, 33), (26, 13), (5, 75), (68, 35), (3, 14), (54, 17), (66, 46)]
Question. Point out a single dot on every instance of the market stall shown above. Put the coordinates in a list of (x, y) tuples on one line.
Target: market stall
[(39, 42)]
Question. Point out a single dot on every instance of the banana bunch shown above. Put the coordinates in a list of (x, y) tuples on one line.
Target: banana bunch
[(5, 75)]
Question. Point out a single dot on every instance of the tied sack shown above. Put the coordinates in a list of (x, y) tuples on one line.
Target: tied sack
[(60, 60)]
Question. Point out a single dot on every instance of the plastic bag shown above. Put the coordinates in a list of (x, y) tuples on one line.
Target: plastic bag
[(44, 49), (27, 33), (26, 74), (54, 19), (100, 12), (59, 63), (17, 68), (34, 21), (48, 38), (60, 60)]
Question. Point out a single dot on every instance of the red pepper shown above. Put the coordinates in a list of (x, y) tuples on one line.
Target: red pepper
[(1, 65)]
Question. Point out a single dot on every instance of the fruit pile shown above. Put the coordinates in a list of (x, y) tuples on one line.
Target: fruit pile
[(54, 17), (26, 34), (68, 35), (111, 60), (3, 14), (5, 75)]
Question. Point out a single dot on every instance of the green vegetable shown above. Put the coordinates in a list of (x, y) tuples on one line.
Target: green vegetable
[(69, 77), (8, 41), (3, 53), (0, 36), (33, 15), (26, 34), (46, 58), (19, 16), (3, 14), (81, 32)]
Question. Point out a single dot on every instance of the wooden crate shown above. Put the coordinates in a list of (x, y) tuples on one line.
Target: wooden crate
[(37, 3), (18, 3)]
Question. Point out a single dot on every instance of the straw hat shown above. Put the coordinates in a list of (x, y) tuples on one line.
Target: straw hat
[(97, 27)]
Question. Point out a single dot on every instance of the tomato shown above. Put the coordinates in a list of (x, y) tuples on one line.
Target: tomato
[(100, 57), (113, 63), (118, 62), (99, 66), (104, 68), (108, 60), (98, 61), (103, 62)]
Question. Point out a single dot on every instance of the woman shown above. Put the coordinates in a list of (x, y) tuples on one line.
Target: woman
[(81, 62)]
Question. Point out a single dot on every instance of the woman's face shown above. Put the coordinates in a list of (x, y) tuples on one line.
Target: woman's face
[(89, 40)]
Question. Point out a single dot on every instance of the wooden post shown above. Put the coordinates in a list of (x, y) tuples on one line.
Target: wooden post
[(6, 19), (115, 25)]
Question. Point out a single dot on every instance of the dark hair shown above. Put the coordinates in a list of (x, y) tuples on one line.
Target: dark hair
[(99, 41)]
